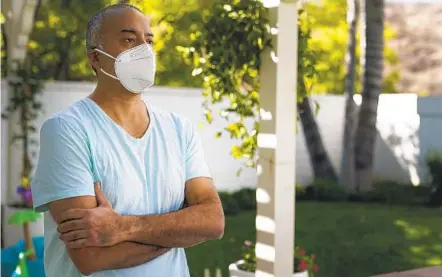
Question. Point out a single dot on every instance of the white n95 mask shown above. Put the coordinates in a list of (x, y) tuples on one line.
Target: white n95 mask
[(135, 68)]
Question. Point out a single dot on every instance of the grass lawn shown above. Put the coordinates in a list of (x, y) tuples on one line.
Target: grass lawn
[(349, 239)]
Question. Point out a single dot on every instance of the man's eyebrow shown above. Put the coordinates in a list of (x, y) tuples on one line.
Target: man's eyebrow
[(132, 31)]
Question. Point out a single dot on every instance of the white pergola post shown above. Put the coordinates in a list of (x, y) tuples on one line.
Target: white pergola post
[(276, 182), (19, 20)]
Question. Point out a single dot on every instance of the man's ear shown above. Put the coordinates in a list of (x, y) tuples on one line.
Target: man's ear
[(93, 59)]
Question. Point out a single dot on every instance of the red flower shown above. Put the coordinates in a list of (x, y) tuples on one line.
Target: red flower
[(302, 265), (301, 252), (315, 268), (248, 243)]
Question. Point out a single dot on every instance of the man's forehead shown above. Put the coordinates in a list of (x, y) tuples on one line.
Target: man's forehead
[(125, 18)]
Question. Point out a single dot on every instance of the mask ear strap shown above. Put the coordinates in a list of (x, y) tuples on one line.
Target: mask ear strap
[(102, 52), (108, 74), (110, 56)]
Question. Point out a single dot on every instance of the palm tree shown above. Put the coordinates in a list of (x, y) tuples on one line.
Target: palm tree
[(319, 159), (347, 161), (372, 80)]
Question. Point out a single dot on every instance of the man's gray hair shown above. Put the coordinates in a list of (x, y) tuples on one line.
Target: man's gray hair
[(94, 39)]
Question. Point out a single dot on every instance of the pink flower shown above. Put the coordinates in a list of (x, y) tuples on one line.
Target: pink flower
[(248, 243), (301, 252), (302, 265), (316, 268), (313, 257)]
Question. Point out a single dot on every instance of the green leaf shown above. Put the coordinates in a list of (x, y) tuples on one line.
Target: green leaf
[(317, 107), (209, 117), (237, 152), (23, 216)]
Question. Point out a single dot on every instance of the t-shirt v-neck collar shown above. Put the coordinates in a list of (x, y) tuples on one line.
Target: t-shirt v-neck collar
[(108, 119)]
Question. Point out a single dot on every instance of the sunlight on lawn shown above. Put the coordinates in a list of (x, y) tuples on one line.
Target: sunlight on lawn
[(423, 254), (413, 233)]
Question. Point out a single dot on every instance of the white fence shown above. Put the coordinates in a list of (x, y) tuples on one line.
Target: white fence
[(397, 154)]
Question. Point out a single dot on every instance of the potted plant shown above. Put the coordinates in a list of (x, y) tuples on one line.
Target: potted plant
[(303, 265), (24, 87)]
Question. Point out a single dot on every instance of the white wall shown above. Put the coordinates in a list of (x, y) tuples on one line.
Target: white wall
[(430, 132), (397, 146)]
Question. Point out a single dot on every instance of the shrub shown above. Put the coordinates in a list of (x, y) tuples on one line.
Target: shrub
[(325, 190), (245, 198), (394, 193), (230, 205), (434, 164), (300, 192)]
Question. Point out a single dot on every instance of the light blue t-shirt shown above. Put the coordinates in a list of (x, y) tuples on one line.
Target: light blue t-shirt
[(139, 176)]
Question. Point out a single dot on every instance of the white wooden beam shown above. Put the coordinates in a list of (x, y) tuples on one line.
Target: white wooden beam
[(276, 170)]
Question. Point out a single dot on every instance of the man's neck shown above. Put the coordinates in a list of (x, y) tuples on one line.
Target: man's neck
[(121, 105)]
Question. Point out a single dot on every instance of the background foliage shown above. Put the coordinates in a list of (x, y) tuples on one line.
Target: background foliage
[(57, 42), (329, 42)]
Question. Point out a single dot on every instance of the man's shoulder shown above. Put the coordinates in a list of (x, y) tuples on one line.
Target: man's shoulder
[(71, 118), (165, 118)]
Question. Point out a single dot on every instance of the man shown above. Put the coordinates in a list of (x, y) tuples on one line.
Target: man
[(124, 185)]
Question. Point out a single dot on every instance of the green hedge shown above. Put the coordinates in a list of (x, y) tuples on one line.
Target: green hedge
[(237, 201), (385, 192), (434, 165)]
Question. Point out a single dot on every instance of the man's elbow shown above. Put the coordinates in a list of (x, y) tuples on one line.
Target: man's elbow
[(219, 233), (218, 228), (85, 267), (85, 271), (85, 261)]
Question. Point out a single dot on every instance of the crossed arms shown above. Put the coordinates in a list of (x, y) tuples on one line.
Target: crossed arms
[(96, 236), (99, 239)]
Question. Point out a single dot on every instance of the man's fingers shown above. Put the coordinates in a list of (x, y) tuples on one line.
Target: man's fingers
[(101, 197), (71, 214), (73, 235), (72, 225)]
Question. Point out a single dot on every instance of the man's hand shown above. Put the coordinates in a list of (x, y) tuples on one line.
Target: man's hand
[(90, 227), (93, 259)]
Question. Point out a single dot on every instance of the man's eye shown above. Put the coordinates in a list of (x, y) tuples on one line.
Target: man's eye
[(150, 42), (129, 40)]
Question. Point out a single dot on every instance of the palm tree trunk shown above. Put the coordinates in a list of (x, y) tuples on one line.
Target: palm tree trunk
[(362, 38), (319, 159), (347, 160), (366, 131)]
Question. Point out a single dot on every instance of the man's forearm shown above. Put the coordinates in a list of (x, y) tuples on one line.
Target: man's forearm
[(122, 255), (184, 228)]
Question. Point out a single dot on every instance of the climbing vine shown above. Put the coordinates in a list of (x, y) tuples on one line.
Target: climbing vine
[(226, 52)]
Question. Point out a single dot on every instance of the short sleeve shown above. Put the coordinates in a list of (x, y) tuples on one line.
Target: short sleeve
[(196, 164), (64, 165)]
